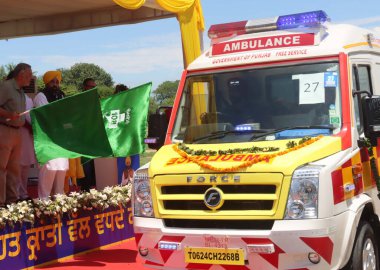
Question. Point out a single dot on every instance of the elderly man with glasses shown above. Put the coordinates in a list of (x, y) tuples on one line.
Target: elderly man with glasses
[(12, 104)]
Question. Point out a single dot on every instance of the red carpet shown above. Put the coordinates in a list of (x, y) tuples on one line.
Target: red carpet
[(122, 256)]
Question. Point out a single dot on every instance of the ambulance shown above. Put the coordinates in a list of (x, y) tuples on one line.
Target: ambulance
[(271, 155)]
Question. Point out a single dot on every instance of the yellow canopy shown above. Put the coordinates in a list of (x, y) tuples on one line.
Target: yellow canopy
[(190, 17)]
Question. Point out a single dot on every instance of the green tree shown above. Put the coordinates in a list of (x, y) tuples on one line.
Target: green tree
[(40, 83), (5, 69), (164, 94), (153, 106), (69, 89), (80, 71), (105, 91), (3, 73)]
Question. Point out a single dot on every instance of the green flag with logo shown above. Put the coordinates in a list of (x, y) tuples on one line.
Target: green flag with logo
[(125, 116), (84, 125)]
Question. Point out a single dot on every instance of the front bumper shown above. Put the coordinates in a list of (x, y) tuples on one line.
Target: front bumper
[(288, 245)]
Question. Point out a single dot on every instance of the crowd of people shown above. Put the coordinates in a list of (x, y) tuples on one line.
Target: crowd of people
[(16, 144)]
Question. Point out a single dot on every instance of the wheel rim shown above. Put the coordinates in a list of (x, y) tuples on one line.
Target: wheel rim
[(369, 256)]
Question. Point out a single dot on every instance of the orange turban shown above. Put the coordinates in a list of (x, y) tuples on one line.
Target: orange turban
[(50, 75)]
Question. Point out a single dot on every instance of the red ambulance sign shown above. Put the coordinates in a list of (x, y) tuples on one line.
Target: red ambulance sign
[(263, 43)]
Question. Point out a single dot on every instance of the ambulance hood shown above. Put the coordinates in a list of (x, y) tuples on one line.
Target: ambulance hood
[(168, 161)]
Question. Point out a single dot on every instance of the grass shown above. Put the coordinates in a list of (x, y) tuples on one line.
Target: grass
[(147, 156)]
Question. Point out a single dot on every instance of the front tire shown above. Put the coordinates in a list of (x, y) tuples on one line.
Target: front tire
[(365, 252)]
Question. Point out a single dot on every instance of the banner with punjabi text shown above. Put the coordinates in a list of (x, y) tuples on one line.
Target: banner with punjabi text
[(25, 246)]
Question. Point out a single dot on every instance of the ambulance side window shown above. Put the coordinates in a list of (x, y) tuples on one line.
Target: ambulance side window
[(361, 81)]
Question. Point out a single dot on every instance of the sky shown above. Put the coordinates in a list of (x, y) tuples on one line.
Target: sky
[(151, 51)]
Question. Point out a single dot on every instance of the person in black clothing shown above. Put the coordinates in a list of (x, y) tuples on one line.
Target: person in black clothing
[(89, 179)]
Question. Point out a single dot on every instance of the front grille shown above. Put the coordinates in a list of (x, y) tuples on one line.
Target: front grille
[(254, 196), (220, 224), (228, 205), (231, 189)]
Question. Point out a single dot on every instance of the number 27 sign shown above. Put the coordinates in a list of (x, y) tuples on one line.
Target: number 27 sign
[(311, 88)]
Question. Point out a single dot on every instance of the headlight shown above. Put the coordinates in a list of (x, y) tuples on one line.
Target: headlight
[(142, 199), (303, 194)]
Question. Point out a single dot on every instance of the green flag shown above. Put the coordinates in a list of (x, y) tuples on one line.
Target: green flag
[(125, 116), (83, 125)]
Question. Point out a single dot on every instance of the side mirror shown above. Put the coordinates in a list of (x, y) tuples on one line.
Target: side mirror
[(371, 117), (157, 126)]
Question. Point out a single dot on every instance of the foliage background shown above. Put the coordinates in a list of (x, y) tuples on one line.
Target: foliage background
[(72, 83)]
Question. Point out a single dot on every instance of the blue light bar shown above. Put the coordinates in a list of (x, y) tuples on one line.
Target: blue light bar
[(305, 19), (313, 18), (247, 127), (242, 128)]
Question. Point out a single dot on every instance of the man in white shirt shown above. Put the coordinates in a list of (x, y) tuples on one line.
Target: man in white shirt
[(52, 174)]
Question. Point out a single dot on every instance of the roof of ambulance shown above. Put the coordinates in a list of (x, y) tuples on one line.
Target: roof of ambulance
[(331, 39)]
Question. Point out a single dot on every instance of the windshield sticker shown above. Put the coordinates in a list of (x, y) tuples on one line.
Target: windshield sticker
[(331, 79), (311, 88), (332, 112), (335, 120)]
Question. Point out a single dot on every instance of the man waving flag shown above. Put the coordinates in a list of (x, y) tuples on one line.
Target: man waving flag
[(83, 125)]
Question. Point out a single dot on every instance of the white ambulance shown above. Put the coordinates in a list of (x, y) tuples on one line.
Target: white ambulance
[(271, 155)]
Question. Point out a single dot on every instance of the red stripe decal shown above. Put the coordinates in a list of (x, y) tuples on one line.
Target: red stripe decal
[(168, 139), (337, 183), (235, 267), (271, 258), (364, 156), (358, 185), (165, 254), (198, 266), (322, 245), (138, 238), (345, 133), (153, 263), (377, 148), (348, 163)]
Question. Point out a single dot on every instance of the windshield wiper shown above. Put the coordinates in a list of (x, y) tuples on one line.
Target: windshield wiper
[(329, 127), (222, 133)]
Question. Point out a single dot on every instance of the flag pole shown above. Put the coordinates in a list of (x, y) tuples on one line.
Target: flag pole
[(20, 114), (23, 113)]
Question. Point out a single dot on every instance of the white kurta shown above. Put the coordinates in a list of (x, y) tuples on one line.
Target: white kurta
[(59, 164), (52, 174)]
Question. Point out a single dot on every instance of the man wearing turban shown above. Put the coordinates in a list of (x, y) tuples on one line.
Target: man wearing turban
[(52, 80), (52, 174)]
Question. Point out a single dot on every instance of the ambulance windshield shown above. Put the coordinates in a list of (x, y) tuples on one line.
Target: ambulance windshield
[(237, 106)]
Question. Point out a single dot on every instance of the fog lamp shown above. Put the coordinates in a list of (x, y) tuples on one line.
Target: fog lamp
[(314, 257), (143, 251)]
